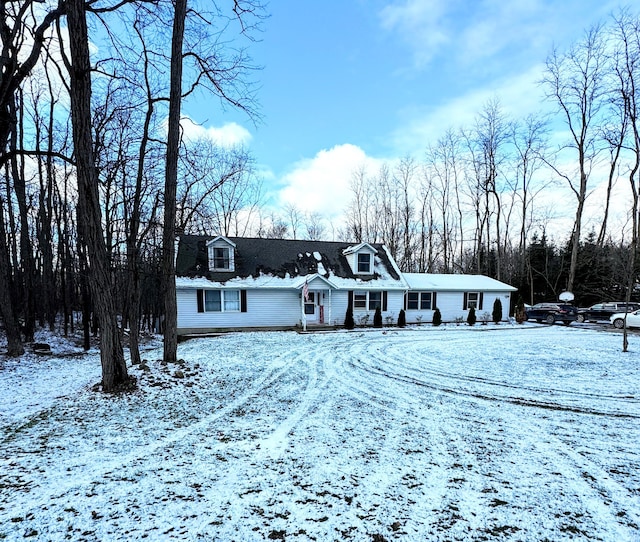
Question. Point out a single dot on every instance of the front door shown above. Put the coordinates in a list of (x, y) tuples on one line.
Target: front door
[(313, 308)]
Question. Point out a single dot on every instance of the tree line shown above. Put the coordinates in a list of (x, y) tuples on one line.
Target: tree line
[(90, 101), (96, 182)]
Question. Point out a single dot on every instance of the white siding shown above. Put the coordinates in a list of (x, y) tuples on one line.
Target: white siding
[(265, 308), (273, 309), (450, 305)]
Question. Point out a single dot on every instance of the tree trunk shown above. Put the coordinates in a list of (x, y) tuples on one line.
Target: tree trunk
[(14, 341), (171, 180), (114, 369)]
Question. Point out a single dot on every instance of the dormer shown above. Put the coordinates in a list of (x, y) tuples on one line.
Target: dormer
[(221, 252), (360, 258)]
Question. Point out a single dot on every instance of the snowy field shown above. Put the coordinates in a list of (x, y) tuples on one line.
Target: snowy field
[(522, 433)]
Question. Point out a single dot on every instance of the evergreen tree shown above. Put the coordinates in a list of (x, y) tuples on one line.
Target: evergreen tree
[(497, 311), (349, 322), (402, 319), (377, 318), (471, 317), (437, 317)]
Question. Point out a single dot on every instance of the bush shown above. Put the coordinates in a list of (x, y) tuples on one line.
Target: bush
[(402, 318), (377, 318), (437, 317), (471, 317), (349, 322), (497, 311)]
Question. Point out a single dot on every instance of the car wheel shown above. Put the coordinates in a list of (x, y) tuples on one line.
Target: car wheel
[(580, 318), (618, 323), (550, 319)]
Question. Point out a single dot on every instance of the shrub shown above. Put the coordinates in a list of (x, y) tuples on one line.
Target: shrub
[(349, 322), (377, 318), (471, 317), (437, 317), (497, 311), (402, 319)]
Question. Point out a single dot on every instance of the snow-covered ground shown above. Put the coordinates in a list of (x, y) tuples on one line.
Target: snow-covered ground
[(507, 432)]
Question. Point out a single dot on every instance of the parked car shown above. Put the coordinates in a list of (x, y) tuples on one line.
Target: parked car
[(552, 313), (602, 312), (633, 319)]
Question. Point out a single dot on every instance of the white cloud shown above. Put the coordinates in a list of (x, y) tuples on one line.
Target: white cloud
[(321, 184), (227, 135), (421, 23), (518, 96)]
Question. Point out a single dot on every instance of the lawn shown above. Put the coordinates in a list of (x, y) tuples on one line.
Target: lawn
[(506, 432)]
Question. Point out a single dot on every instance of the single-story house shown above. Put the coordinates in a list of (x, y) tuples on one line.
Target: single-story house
[(454, 295), (225, 283)]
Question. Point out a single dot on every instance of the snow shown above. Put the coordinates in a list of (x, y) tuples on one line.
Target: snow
[(441, 282), (497, 432)]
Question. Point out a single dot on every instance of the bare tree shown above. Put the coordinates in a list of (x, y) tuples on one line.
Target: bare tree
[(114, 368), (576, 81), (626, 35)]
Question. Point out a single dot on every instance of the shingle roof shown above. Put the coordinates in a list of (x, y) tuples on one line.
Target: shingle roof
[(276, 257)]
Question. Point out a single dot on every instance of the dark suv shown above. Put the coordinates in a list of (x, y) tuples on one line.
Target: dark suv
[(552, 313), (603, 311)]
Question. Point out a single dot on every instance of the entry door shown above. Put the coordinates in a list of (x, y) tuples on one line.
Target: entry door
[(314, 307), (311, 307)]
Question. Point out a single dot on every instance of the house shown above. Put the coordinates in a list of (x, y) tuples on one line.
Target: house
[(243, 283), (225, 283), (453, 295)]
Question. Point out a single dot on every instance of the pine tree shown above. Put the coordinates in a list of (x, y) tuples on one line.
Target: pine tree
[(437, 317), (349, 322), (402, 319), (497, 311), (377, 318), (471, 317)]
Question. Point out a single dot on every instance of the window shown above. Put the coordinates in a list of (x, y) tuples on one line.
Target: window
[(360, 301), (419, 301), (310, 304), (231, 300), (473, 300), (364, 262), (220, 258), (221, 300), (212, 301), (375, 300), (363, 301)]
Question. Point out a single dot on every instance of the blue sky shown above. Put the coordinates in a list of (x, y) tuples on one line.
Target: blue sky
[(347, 83)]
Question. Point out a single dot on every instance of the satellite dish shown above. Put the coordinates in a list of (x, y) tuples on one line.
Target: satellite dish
[(566, 296)]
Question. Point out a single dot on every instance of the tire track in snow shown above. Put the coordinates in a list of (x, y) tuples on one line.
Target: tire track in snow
[(277, 369)]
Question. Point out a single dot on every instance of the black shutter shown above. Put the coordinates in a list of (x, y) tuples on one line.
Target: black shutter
[(434, 300), (384, 301), (350, 302), (200, 296), (465, 299), (481, 299), (404, 306), (243, 301)]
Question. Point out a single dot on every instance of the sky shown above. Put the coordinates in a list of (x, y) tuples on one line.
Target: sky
[(346, 84)]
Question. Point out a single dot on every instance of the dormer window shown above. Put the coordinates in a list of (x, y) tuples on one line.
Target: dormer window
[(364, 262), (221, 258), (360, 258), (220, 251)]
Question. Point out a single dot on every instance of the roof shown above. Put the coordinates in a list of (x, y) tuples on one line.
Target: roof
[(281, 263), (455, 283)]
